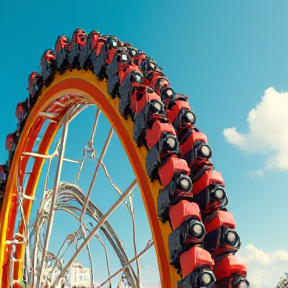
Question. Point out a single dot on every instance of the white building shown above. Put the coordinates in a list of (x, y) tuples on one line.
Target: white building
[(78, 276)]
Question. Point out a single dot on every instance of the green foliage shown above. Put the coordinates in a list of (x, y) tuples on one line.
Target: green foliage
[(283, 282)]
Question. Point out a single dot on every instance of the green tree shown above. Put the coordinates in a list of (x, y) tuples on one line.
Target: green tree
[(283, 282)]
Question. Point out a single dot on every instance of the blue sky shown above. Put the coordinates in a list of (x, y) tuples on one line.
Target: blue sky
[(234, 51)]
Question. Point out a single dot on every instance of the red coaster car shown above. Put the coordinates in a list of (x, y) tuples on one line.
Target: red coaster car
[(158, 82), (177, 190), (170, 168), (133, 53), (35, 83), (209, 192), (139, 57), (48, 61), (78, 42), (230, 271), (169, 97), (129, 77), (195, 150), (162, 141), (150, 67), (196, 268), (121, 61), (181, 115), (62, 50), (146, 106), (3, 174), (221, 236), (96, 52), (11, 143), (154, 77), (21, 113), (188, 229), (88, 51), (105, 56)]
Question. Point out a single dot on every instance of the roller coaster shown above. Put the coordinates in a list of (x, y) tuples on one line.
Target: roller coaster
[(184, 196)]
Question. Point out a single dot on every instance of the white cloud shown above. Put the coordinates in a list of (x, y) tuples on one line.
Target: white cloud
[(256, 173), (268, 130), (264, 268)]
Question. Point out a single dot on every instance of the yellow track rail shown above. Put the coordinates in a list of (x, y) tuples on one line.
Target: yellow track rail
[(86, 84)]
